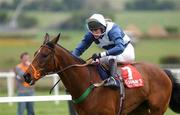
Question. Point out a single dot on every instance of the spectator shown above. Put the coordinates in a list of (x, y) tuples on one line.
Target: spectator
[(24, 89)]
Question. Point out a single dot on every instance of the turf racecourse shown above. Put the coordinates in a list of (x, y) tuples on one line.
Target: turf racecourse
[(41, 108)]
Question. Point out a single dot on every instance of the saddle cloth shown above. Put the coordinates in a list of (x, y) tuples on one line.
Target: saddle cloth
[(131, 77)]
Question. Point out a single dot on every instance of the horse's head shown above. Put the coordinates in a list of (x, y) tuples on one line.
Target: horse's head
[(43, 62)]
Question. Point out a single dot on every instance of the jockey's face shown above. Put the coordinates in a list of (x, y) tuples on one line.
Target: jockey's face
[(96, 33)]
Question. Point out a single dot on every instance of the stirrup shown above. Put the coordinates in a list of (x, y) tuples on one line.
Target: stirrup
[(112, 83)]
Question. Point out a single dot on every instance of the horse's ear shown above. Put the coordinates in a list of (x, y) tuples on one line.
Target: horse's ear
[(56, 39), (46, 38)]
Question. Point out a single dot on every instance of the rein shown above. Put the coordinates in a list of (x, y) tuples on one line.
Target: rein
[(68, 67), (75, 65), (87, 91)]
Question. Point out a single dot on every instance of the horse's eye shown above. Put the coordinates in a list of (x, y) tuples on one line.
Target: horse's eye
[(44, 55)]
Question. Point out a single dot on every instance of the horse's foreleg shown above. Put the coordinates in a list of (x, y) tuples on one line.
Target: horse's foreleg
[(145, 111), (156, 107), (156, 111), (142, 109), (158, 103)]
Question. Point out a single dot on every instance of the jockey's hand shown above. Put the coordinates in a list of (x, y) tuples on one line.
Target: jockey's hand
[(95, 62), (96, 56)]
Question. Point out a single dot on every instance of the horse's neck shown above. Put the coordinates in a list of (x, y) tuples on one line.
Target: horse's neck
[(75, 79)]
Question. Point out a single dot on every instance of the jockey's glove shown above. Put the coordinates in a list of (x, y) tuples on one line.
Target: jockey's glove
[(96, 56)]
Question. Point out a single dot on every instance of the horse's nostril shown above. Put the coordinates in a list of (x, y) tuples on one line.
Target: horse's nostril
[(27, 77)]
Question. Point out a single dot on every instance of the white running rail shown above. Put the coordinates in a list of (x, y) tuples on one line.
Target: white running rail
[(34, 98), (10, 90)]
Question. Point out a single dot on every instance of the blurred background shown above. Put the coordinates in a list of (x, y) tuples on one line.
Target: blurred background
[(152, 24)]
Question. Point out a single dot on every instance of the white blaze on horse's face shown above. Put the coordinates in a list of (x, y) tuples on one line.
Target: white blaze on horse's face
[(39, 50)]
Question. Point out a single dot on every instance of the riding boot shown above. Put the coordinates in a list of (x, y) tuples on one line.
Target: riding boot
[(112, 81)]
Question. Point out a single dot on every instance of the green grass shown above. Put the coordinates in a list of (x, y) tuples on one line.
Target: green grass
[(153, 50), (145, 19), (170, 112), (41, 108), (142, 19)]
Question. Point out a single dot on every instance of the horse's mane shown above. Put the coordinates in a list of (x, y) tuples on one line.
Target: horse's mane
[(75, 57)]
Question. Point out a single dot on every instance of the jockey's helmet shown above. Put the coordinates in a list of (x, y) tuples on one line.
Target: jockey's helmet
[(96, 21)]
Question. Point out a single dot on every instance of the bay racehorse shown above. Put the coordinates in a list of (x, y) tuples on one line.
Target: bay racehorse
[(160, 87)]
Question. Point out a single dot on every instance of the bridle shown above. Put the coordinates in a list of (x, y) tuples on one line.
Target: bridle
[(37, 75)]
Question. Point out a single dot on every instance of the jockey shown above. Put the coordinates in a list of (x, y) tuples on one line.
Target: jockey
[(109, 36)]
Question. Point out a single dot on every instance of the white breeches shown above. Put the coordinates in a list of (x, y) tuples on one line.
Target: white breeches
[(128, 56)]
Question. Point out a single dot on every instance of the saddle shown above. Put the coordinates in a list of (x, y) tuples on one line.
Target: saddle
[(129, 74)]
